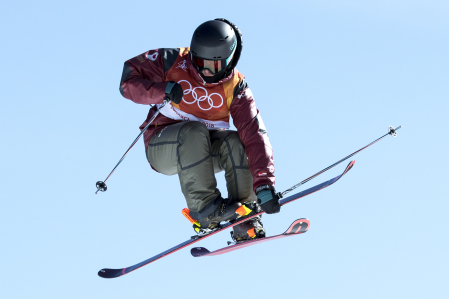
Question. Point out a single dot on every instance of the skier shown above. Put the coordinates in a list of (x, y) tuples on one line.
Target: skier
[(190, 136)]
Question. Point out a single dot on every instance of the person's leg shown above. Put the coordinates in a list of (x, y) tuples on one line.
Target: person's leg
[(229, 155), (185, 149)]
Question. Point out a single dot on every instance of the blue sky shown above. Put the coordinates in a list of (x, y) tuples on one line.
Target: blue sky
[(328, 77)]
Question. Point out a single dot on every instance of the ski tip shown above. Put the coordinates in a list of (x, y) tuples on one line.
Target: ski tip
[(198, 251), (298, 226), (348, 168), (110, 273), (351, 164)]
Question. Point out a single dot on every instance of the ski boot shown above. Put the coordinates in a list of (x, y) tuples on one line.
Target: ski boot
[(225, 211), (248, 230)]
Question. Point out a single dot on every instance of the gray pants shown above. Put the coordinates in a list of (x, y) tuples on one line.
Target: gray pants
[(190, 150)]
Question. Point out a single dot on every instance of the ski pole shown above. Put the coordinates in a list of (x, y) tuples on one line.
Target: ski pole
[(391, 131), (101, 186)]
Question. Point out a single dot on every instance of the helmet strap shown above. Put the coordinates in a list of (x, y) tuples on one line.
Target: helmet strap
[(215, 78)]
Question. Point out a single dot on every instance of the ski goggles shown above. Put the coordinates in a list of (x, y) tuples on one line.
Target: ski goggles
[(214, 66)]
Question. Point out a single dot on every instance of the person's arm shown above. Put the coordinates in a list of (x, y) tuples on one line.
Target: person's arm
[(254, 136), (143, 77)]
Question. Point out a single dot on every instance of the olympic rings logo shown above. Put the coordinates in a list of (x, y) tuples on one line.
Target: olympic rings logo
[(202, 98)]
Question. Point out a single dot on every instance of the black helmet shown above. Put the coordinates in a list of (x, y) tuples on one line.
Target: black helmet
[(215, 49)]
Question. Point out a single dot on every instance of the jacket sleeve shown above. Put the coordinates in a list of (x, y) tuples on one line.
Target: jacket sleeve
[(253, 134), (143, 77)]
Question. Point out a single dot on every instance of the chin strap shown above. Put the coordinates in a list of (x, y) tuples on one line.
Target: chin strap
[(215, 78)]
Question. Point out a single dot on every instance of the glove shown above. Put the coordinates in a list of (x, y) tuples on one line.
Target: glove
[(174, 92), (268, 199)]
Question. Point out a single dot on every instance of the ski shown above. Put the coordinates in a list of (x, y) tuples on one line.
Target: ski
[(112, 273), (298, 227)]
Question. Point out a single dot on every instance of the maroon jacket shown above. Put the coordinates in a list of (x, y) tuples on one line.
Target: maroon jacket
[(144, 80)]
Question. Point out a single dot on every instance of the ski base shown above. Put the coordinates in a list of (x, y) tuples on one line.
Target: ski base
[(298, 227)]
